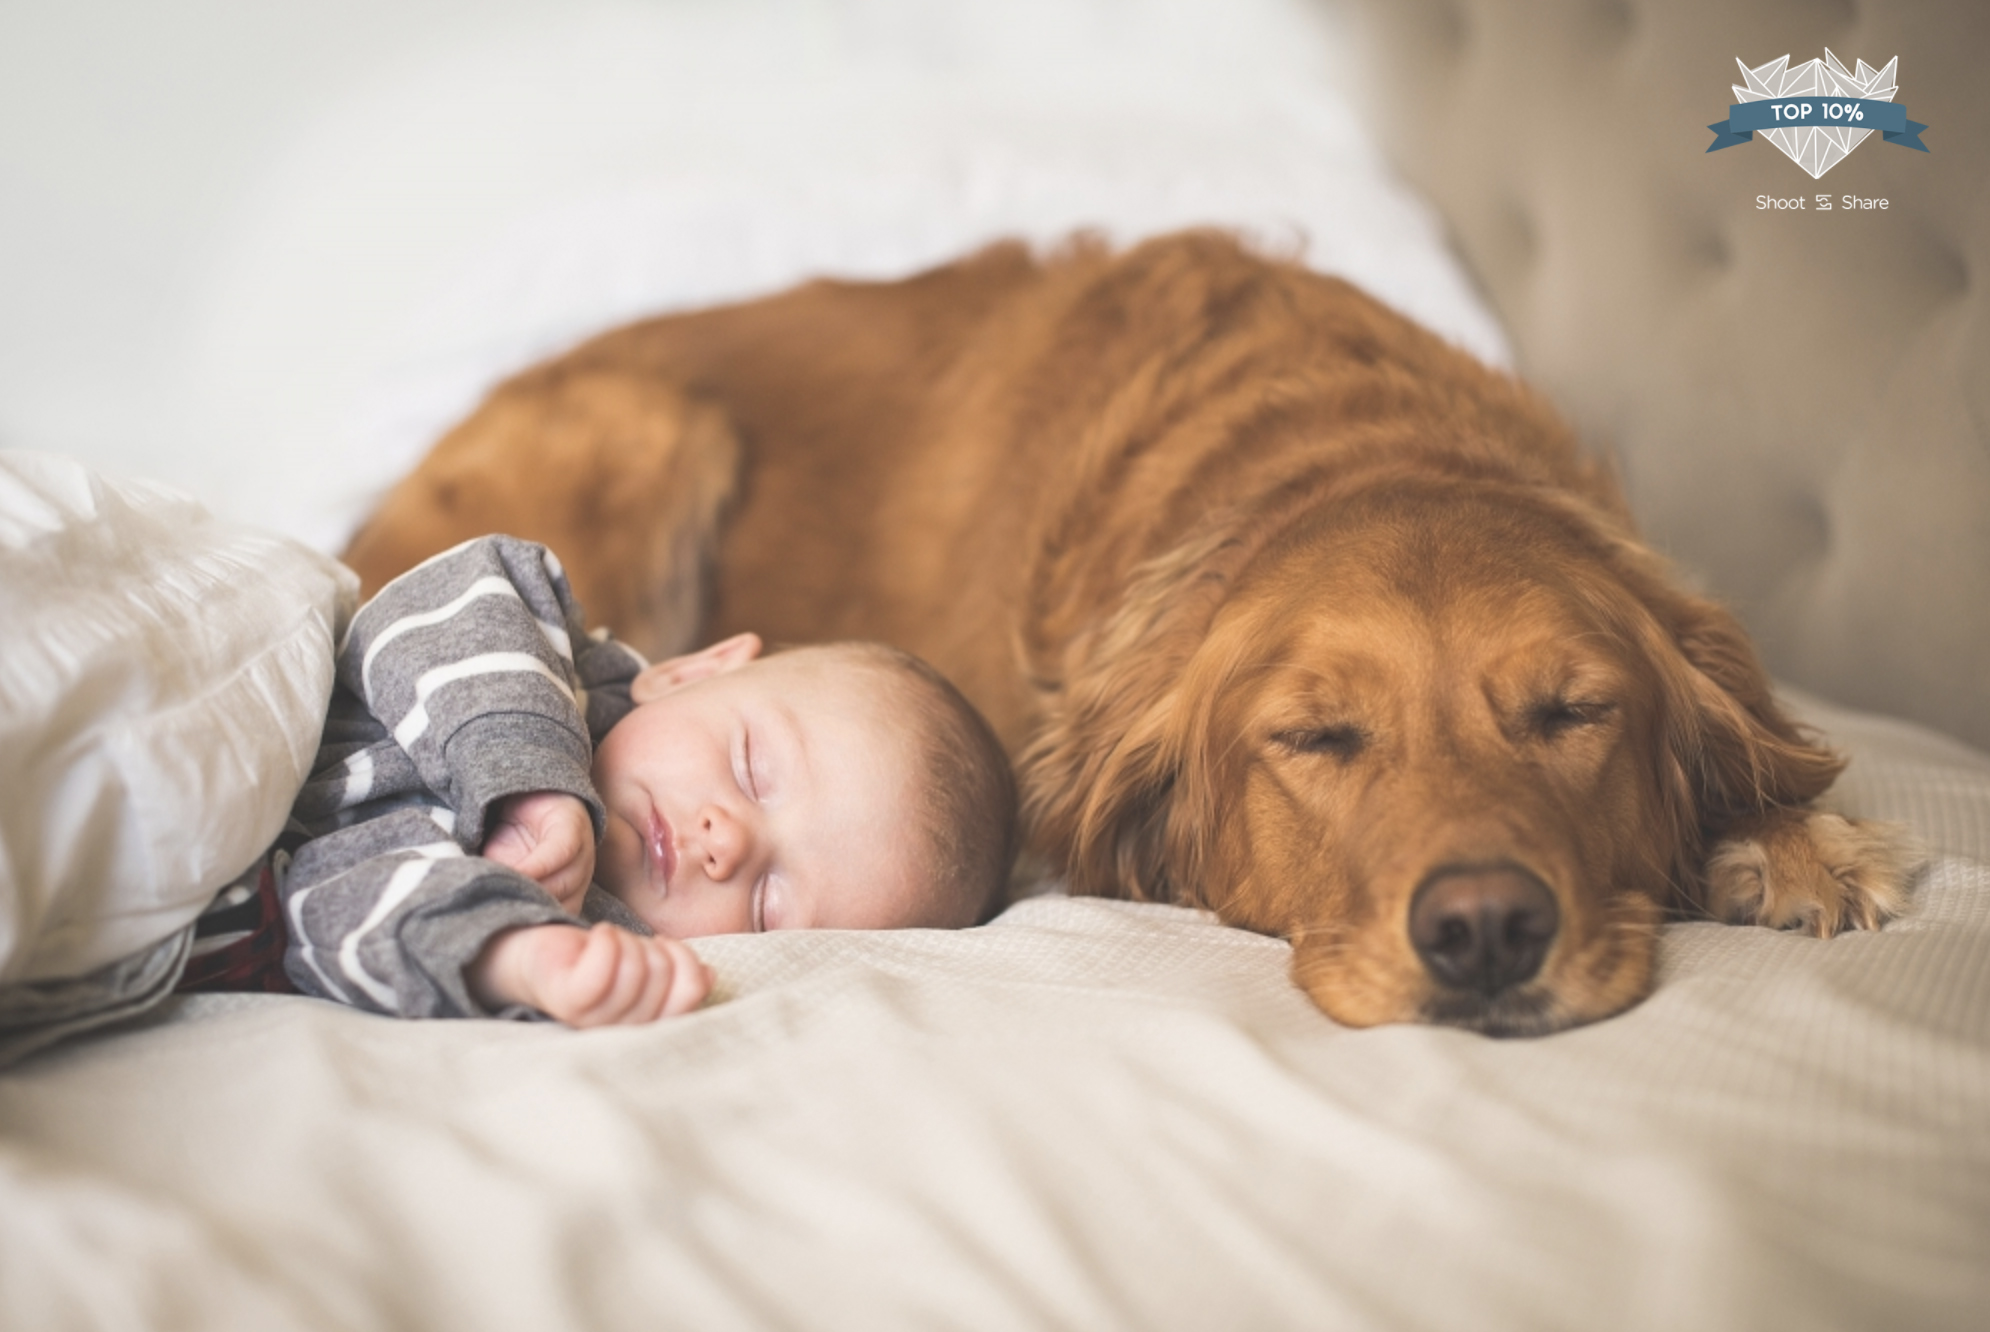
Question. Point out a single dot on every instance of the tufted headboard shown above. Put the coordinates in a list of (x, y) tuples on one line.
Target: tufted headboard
[(1798, 401)]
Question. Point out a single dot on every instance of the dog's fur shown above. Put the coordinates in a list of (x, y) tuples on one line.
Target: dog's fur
[(1287, 608)]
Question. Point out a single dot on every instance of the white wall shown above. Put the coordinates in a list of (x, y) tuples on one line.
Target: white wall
[(266, 251)]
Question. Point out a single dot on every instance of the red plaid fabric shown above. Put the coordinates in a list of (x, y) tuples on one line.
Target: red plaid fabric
[(238, 941)]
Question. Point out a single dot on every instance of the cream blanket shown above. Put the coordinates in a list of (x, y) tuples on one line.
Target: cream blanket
[(1085, 1115)]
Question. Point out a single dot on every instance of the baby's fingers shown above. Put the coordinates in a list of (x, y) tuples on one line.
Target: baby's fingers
[(658, 978), (618, 977), (637, 992), (689, 980), (587, 988), (559, 843), (630, 989), (508, 846), (548, 837), (568, 881), (654, 978)]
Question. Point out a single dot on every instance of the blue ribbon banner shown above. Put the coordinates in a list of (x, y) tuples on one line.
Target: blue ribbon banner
[(1889, 118)]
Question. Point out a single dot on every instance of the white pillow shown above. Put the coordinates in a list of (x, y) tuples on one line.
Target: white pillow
[(163, 683)]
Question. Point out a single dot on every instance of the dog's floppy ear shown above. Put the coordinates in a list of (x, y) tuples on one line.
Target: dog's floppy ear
[(1100, 780), (1745, 755), (1731, 755)]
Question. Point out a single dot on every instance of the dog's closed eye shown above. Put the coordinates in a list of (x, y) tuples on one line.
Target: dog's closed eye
[(1340, 742), (1553, 718)]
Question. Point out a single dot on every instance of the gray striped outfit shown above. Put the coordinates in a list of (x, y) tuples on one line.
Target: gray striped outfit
[(467, 679)]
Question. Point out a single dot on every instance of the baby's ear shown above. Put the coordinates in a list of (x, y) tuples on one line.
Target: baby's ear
[(726, 655)]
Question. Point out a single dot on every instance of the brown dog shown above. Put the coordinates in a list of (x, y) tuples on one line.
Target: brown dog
[(1288, 609)]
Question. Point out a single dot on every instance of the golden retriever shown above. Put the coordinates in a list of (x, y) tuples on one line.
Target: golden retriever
[(1287, 608)]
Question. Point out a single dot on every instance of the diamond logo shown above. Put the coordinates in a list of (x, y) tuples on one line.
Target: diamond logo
[(1816, 148)]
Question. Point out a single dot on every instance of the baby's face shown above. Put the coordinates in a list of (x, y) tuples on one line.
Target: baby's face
[(750, 794)]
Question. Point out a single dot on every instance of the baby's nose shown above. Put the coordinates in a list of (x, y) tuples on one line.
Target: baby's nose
[(725, 840)]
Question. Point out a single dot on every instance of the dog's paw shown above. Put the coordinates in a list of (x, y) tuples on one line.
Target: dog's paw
[(1811, 871)]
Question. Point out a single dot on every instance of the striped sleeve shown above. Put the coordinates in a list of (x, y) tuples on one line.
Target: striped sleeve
[(466, 680), (386, 913), (468, 662)]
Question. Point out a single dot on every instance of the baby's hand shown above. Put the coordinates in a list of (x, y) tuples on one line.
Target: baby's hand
[(589, 978), (548, 837)]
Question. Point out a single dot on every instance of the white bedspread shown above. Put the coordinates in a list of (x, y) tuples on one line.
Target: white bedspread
[(1085, 1115)]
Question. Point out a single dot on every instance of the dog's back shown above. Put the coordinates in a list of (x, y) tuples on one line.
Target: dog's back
[(968, 463)]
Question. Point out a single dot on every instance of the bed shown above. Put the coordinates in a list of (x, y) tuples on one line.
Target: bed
[(1085, 1114)]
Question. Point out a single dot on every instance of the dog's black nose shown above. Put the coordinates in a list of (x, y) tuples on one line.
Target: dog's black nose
[(1482, 929)]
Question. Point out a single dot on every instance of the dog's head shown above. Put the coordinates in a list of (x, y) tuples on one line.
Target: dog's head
[(1463, 743)]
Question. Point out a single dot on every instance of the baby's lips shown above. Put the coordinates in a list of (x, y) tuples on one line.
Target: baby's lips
[(660, 853)]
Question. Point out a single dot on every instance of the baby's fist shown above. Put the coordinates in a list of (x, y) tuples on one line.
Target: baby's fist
[(590, 978), (548, 837)]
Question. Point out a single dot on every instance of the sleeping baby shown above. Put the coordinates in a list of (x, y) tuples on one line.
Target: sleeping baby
[(511, 817)]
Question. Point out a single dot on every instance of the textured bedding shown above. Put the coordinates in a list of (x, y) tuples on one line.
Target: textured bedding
[(1086, 1114)]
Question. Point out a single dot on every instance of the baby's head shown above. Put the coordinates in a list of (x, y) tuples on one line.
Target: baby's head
[(847, 786)]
